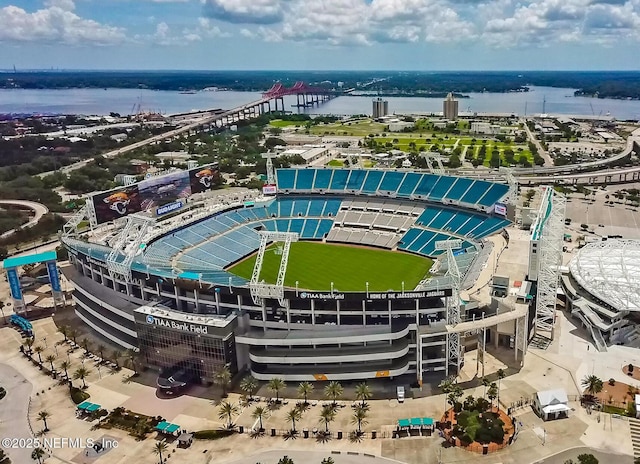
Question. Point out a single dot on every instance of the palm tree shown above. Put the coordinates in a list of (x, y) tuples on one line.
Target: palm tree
[(304, 390), (592, 384), (159, 448), (446, 386), (293, 415), (334, 391), (363, 392), (227, 410), (222, 377), (86, 344), (101, 349), (28, 343), (37, 454), (50, 358), (275, 385), (81, 373), (38, 349), (131, 358), (485, 383), (501, 375), (73, 334), (632, 391), (249, 386), (455, 394), (258, 413), (327, 414), (65, 365), (492, 393), (116, 355), (4, 459), (43, 416), (359, 417), (64, 330)]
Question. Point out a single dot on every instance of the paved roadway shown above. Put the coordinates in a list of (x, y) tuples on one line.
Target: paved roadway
[(38, 208), (541, 151), (14, 409), (155, 138)]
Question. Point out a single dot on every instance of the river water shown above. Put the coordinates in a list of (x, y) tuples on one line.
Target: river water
[(126, 101)]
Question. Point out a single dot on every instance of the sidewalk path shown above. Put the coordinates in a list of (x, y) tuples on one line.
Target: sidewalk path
[(14, 409)]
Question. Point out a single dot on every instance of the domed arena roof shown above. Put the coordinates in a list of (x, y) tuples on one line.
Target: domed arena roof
[(610, 271)]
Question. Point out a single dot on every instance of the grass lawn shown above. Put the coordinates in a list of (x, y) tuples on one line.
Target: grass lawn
[(316, 265), (281, 123), (360, 128), (336, 163)]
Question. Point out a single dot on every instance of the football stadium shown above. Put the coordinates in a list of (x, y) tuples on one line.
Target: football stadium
[(327, 274)]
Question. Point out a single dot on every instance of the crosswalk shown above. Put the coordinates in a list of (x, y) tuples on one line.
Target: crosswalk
[(634, 426)]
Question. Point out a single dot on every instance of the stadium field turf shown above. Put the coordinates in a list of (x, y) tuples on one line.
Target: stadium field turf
[(315, 265)]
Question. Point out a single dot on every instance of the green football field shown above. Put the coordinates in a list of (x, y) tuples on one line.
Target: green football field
[(316, 265)]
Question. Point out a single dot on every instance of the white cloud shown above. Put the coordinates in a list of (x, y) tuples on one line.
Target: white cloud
[(55, 23), (501, 23)]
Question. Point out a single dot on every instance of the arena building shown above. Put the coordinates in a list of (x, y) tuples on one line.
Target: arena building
[(601, 289), (168, 285)]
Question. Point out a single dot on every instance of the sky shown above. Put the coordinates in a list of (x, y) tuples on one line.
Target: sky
[(428, 35)]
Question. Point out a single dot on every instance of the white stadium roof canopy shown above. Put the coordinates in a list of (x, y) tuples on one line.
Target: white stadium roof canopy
[(610, 271)]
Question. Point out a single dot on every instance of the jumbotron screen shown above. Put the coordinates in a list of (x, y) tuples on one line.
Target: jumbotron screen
[(153, 192)]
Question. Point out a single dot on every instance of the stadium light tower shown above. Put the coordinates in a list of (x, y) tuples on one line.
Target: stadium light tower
[(260, 289), (454, 355)]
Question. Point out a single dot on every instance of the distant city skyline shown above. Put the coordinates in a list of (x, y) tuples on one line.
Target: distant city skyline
[(430, 35)]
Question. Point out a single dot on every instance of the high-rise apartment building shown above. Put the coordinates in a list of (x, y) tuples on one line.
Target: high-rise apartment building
[(380, 108), (450, 107)]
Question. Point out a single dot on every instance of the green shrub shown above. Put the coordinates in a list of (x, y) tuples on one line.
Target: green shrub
[(212, 434), (78, 395)]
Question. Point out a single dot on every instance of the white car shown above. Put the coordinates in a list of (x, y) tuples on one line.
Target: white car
[(400, 394)]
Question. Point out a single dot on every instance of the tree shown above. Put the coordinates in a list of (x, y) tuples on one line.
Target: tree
[(86, 344), (81, 373), (222, 378), (304, 390), (28, 343), (258, 413), (492, 393), (285, 460), (334, 391), (446, 385), (131, 358), (587, 459), (363, 392), (64, 330), (43, 416), (64, 365), (328, 460), (101, 349), (501, 375), (293, 415), (37, 454), (50, 358), (249, 386), (359, 418), (116, 355), (159, 448), (454, 395), (485, 383), (592, 384), (327, 415), (38, 349), (227, 411), (275, 385)]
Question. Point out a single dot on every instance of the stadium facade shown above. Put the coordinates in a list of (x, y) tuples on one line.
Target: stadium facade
[(601, 290), (162, 286)]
